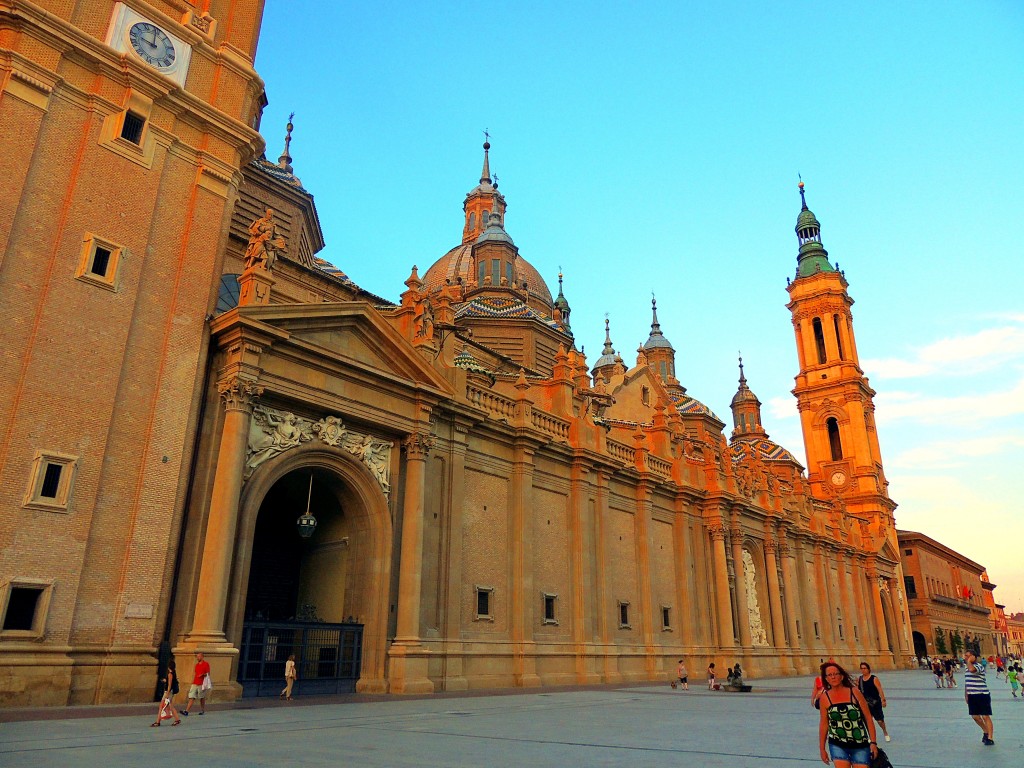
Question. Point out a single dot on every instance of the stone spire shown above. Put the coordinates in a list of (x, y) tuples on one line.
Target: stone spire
[(483, 200), (746, 410), (610, 360), (812, 256), (658, 351), (485, 173), (562, 306), (285, 160)]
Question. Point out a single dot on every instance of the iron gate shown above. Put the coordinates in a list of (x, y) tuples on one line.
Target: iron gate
[(327, 657)]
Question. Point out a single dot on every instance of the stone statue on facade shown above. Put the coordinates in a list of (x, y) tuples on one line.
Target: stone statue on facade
[(265, 244)]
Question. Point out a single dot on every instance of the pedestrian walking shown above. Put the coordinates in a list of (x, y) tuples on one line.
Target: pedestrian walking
[(1013, 679), (290, 676), (874, 695), (200, 686), (950, 678), (937, 671), (846, 734), (978, 697), (711, 676), (167, 710), (683, 675)]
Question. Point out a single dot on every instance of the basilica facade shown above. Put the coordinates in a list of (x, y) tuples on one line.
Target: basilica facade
[(214, 440)]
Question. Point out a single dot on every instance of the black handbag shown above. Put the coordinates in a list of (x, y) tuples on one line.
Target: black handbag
[(881, 760)]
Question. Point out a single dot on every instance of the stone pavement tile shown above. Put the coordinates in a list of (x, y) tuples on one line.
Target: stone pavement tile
[(636, 726)]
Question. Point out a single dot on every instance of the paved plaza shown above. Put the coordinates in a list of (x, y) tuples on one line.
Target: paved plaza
[(630, 725)]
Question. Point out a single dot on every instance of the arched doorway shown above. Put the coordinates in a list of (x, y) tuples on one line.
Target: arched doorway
[(323, 598), (920, 645)]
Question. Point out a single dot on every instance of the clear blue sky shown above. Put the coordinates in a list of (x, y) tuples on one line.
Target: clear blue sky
[(655, 147)]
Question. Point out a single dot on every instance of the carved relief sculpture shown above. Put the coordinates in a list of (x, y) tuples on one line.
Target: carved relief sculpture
[(758, 635), (273, 432)]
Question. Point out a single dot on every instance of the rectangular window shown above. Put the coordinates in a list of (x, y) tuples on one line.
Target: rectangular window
[(908, 551), (666, 618), (817, 632), (624, 616), (50, 481), (549, 608), (495, 271), (23, 606), (799, 633), (910, 586), (99, 262), (131, 128), (484, 603)]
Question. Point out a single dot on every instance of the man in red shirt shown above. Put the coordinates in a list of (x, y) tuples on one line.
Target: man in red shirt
[(196, 690)]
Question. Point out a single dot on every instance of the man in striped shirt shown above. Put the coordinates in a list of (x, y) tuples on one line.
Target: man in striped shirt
[(978, 697)]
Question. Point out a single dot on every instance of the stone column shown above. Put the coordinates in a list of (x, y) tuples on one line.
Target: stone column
[(239, 396), (684, 592), (582, 588), (863, 625), (603, 630), (522, 599), (408, 668), (723, 598), (824, 604), (845, 603), (774, 597), (792, 590), (742, 604), (454, 673), (876, 600)]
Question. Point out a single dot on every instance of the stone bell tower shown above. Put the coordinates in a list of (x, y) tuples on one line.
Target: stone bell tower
[(124, 127), (837, 415)]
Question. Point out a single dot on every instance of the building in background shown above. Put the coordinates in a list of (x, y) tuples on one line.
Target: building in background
[(997, 617), (212, 440), (1015, 634), (948, 597)]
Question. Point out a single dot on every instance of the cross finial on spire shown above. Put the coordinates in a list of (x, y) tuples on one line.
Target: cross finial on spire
[(803, 200), (743, 379)]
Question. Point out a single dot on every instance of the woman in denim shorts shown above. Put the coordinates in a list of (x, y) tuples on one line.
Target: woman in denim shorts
[(846, 732)]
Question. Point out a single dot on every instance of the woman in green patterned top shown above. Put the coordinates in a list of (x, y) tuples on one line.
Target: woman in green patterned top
[(846, 734)]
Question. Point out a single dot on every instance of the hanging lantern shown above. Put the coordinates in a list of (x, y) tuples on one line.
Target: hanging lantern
[(306, 523)]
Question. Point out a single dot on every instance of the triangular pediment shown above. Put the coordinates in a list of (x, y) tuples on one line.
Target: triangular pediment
[(350, 333), (631, 403), (888, 552)]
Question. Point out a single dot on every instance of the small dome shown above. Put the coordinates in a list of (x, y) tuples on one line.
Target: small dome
[(495, 233), (807, 219), (458, 262)]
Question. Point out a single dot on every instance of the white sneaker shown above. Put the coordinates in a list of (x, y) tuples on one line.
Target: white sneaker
[(888, 737)]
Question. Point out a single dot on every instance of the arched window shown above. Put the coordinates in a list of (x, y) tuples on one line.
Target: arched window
[(819, 340), (839, 338), (834, 443), (472, 220)]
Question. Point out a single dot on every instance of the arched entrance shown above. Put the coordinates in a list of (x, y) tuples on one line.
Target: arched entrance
[(322, 599), (920, 645)]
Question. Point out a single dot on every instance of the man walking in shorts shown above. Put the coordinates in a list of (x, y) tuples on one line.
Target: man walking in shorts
[(196, 690)]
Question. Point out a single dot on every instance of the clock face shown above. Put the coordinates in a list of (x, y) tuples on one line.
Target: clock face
[(838, 478), (152, 44)]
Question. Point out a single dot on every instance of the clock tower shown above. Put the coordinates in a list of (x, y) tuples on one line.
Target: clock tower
[(125, 127), (837, 415), (832, 392)]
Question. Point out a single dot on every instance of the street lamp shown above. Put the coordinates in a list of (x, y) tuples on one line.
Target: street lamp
[(306, 523)]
